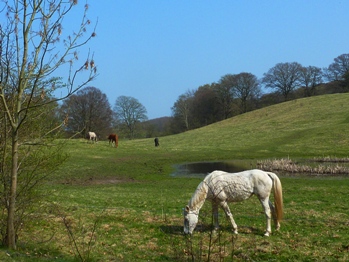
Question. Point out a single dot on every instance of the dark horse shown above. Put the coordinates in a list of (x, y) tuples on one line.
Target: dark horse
[(156, 141), (113, 138)]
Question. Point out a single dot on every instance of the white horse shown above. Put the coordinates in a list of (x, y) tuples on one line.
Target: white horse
[(221, 187), (92, 136)]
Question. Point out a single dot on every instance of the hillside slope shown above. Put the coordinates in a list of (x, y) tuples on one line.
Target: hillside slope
[(315, 126)]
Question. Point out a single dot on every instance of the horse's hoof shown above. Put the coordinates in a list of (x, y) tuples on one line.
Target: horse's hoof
[(235, 232), (277, 227), (266, 234)]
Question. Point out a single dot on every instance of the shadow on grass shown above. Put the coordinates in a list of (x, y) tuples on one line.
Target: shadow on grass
[(243, 230)]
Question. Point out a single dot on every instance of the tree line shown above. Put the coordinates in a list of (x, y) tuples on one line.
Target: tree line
[(90, 110), (239, 93), (233, 94)]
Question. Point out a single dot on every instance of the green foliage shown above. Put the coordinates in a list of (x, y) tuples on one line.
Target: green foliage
[(138, 205)]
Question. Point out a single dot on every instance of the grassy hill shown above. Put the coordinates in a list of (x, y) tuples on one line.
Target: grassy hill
[(307, 127), (121, 204)]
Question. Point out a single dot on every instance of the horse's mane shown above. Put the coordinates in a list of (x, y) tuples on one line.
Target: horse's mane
[(199, 196)]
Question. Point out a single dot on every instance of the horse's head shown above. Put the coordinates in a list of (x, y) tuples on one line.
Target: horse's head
[(190, 220)]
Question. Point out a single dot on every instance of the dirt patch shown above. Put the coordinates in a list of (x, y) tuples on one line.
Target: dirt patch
[(106, 181), (99, 181)]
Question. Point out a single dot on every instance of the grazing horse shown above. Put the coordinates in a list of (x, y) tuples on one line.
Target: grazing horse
[(113, 138), (156, 141), (92, 136), (221, 187)]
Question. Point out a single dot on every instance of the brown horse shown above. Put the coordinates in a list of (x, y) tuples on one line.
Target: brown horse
[(113, 138)]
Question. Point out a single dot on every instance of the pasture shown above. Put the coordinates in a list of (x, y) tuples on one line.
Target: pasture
[(121, 204)]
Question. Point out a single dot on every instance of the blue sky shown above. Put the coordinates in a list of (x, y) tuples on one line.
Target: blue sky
[(155, 51)]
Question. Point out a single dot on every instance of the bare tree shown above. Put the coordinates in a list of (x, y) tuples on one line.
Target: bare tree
[(204, 106), (182, 108), (246, 88), (284, 77), (33, 46), (310, 77), (129, 112), (225, 94), (88, 110), (339, 69)]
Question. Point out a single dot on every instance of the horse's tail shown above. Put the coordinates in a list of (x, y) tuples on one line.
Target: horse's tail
[(277, 196)]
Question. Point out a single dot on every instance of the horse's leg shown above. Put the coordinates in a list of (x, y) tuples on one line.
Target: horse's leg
[(226, 209), (215, 215), (267, 212), (273, 212)]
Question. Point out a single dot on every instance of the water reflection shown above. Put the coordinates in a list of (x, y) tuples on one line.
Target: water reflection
[(201, 169)]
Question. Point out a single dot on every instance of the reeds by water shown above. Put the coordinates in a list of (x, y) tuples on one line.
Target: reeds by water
[(290, 166)]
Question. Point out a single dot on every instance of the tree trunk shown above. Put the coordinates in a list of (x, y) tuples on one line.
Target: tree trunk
[(11, 233)]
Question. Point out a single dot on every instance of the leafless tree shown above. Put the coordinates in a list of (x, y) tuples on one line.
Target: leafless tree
[(204, 106), (310, 77), (88, 110), (339, 69), (225, 94), (246, 87), (129, 112), (284, 77), (33, 46), (182, 108)]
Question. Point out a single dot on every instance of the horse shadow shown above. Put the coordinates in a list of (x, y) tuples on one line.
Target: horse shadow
[(178, 230), (172, 230)]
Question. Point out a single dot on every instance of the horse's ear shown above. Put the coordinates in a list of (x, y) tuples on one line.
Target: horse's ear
[(187, 208)]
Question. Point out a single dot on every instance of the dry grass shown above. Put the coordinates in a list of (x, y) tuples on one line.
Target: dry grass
[(290, 166)]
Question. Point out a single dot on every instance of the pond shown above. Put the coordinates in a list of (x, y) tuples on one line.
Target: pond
[(201, 169)]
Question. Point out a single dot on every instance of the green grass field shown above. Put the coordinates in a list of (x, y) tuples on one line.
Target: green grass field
[(107, 204)]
